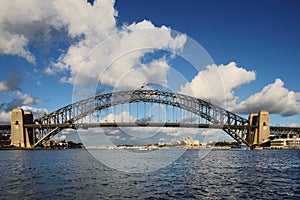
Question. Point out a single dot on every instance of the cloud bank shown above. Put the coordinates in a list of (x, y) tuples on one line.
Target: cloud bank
[(117, 61), (205, 86), (102, 51), (20, 99), (274, 98)]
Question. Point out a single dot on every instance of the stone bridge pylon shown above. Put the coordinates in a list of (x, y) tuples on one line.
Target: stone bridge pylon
[(21, 136)]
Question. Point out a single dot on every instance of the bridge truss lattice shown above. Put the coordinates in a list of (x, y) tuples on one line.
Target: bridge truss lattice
[(69, 116)]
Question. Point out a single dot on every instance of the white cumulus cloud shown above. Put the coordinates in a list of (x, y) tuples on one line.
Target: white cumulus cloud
[(124, 116), (154, 72), (5, 116), (18, 101), (118, 58), (217, 83), (274, 98), (100, 49), (26, 22), (37, 112), (38, 22)]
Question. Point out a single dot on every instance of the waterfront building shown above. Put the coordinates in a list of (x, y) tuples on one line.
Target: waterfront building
[(287, 143)]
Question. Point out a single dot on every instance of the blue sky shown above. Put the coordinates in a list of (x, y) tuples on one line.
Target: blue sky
[(254, 44)]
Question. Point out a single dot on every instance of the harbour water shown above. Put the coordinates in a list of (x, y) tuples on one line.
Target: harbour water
[(221, 174)]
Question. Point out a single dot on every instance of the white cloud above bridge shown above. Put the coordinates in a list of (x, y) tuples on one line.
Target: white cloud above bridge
[(274, 98), (102, 50), (216, 84)]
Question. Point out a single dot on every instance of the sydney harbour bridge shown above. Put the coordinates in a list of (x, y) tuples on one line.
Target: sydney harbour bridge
[(144, 108)]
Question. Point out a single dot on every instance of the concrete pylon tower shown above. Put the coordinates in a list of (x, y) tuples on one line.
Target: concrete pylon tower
[(263, 127), (20, 136), (261, 134)]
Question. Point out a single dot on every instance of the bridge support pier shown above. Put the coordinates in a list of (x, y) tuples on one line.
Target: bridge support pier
[(260, 135), (21, 136)]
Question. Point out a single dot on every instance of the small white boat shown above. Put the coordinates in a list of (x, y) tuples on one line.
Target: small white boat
[(145, 148), (239, 147), (258, 148)]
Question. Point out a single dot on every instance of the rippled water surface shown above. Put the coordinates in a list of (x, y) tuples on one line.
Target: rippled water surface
[(221, 174)]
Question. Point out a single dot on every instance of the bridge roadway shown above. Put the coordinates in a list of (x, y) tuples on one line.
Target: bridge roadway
[(136, 124), (284, 129), (274, 129)]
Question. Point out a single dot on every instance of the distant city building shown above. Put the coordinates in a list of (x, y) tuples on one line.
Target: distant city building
[(196, 143), (185, 141)]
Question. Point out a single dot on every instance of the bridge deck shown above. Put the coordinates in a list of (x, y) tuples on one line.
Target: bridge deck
[(135, 124), (284, 128), (127, 124), (157, 124), (147, 124)]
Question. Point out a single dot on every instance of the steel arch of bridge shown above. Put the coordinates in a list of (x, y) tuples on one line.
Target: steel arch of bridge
[(66, 117)]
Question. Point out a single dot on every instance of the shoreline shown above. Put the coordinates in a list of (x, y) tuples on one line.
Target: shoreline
[(151, 148)]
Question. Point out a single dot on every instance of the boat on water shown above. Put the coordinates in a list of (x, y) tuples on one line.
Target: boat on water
[(145, 148), (237, 146), (258, 148)]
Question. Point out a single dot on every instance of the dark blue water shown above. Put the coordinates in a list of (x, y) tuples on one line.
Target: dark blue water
[(222, 174)]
